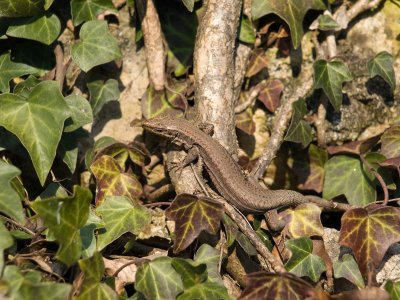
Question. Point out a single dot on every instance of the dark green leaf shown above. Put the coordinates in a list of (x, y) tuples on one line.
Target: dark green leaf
[(10, 201), (84, 10), (65, 216), (158, 280), (303, 262), (291, 11), (98, 145), (81, 113), (39, 56), (6, 241), (37, 122), (330, 76), (88, 235), (348, 268), (43, 28), (382, 65), (102, 92), (393, 288), (96, 46), (20, 8), (299, 130), (68, 148), (120, 216), (345, 175), (192, 215), (326, 22), (10, 70)]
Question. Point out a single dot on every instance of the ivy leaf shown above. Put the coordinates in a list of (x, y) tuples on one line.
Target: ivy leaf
[(309, 168), (369, 232), (346, 175), (258, 61), (244, 120), (299, 130), (348, 268), (6, 241), (192, 215), (270, 94), (382, 65), (64, 216), (96, 46), (120, 216), (211, 257), (303, 262), (245, 243), (247, 33), (101, 143), (37, 122), (391, 142), (25, 87), (158, 280), (189, 4), (305, 221), (92, 288), (102, 92), (68, 148), (10, 70), (10, 201), (291, 11), (88, 235), (112, 181), (326, 23), (20, 8), (121, 152), (393, 288), (43, 28), (47, 4), (262, 285), (81, 113), (330, 76), (84, 10)]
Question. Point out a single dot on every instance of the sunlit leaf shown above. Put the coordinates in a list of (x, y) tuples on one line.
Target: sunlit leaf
[(189, 4), (391, 142), (305, 221), (393, 288), (37, 122), (369, 232), (92, 288), (65, 216), (247, 33), (102, 92), (345, 175), (158, 280), (211, 257), (25, 87), (87, 10), (348, 268), (382, 65), (262, 285), (20, 8), (10, 201), (291, 11), (96, 46), (299, 130), (120, 216), (330, 76), (326, 22), (111, 180), (81, 112), (43, 28), (303, 262), (10, 70), (192, 215), (309, 168)]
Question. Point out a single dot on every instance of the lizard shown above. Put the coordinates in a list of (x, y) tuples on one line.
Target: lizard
[(225, 173)]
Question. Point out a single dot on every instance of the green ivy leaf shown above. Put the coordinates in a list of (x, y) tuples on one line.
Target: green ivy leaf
[(299, 130), (10, 70), (158, 280), (37, 122), (247, 32), (390, 140), (81, 113), (326, 23), (92, 288), (348, 268), (211, 257), (47, 4), (88, 236), (345, 175), (10, 201), (6, 241), (120, 216), (27, 286), (330, 76), (102, 92), (97, 46), (43, 28), (20, 8), (192, 215), (291, 11), (25, 87), (68, 148), (65, 216), (393, 288), (303, 262), (382, 65), (87, 10), (39, 56), (189, 4)]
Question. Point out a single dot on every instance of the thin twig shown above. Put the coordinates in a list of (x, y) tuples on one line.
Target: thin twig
[(361, 6), (27, 230), (250, 98), (157, 204), (379, 178)]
